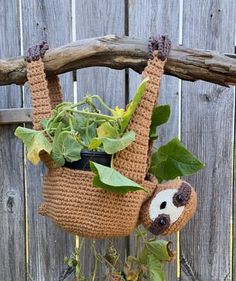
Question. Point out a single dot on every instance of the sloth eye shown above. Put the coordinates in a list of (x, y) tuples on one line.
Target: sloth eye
[(179, 198), (182, 197), (162, 222), (163, 205)]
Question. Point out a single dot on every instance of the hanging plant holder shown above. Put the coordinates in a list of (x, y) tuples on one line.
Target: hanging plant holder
[(70, 198)]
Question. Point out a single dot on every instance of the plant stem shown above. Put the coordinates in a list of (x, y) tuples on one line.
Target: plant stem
[(66, 108), (90, 102), (86, 129), (136, 243), (79, 244), (52, 121), (93, 114), (80, 142), (101, 101), (96, 260), (137, 246), (112, 158), (78, 104), (70, 108), (46, 131), (71, 126)]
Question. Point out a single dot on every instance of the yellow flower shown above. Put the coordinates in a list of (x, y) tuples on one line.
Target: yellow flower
[(118, 112)]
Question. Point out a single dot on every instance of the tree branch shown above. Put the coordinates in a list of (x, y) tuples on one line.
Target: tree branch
[(119, 53)]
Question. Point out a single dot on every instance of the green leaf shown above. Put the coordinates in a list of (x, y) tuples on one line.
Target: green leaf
[(58, 130), (160, 115), (35, 142), (57, 127), (155, 269), (172, 160), (56, 156), (153, 255), (79, 122), (88, 133), (94, 144), (161, 249), (111, 146), (85, 128), (44, 123), (133, 105), (111, 180), (106, 130), (66, 147), (66, 260)]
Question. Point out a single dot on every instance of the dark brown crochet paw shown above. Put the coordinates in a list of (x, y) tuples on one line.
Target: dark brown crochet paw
[(161, 44), (36, 52)]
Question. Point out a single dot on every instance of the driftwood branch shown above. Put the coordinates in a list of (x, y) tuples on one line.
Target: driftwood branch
[(119, 53)]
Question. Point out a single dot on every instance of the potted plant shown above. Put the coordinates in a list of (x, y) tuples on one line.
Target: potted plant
[(77, 133)]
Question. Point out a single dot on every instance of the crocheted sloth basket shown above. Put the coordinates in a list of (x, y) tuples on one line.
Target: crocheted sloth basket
[(70, 199)]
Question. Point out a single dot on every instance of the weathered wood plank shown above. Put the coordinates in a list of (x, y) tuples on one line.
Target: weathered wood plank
[(12, 216), (96, 18), (148, 18), (207, 124), (50, 21), (119, 53), (233, 261), (15, 116)]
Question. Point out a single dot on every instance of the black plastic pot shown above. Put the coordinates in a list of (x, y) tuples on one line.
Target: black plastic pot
[(86, 156)]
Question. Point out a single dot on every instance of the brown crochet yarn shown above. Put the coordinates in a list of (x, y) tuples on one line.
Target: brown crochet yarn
[(132, 161), (74, 204), (39, 92), (189, 207), (70, 199)]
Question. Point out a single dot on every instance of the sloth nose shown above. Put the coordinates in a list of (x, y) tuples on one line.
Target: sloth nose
[(182, 196)]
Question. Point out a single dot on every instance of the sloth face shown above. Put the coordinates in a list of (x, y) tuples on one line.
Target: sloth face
[(163, 212), (170, 207)]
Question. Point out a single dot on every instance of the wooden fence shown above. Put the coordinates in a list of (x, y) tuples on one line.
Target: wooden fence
[(203, 116)]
